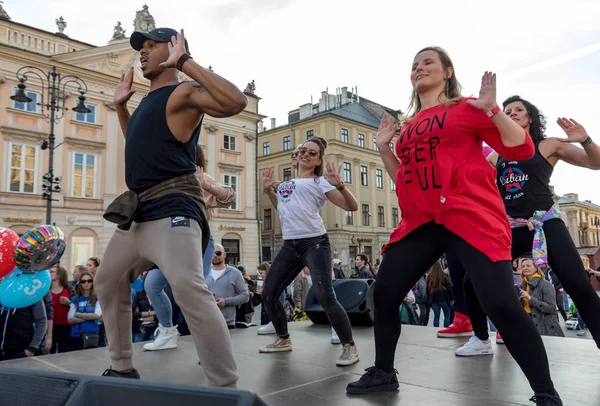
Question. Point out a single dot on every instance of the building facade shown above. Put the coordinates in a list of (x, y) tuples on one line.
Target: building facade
[(349, 124), (90, 147)]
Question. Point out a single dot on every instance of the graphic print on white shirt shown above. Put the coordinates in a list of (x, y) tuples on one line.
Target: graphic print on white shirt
[(298, 203)]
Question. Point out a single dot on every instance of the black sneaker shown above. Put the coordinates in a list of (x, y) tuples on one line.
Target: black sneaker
[(133, 374), (375, 380), (544, 399)]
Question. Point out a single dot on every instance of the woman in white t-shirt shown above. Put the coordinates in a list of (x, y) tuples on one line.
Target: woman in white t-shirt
[(306, 243)]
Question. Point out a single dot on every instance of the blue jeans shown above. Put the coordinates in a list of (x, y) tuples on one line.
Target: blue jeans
[(155, 284), (437, 308), (580, 320)]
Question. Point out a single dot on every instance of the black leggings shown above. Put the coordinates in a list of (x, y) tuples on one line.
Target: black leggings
[(404, 263), (314, 253), (565, 261)]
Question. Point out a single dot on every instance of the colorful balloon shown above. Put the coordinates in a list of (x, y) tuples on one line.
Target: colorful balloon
[(40, 248), (8, 242), (21, 289)]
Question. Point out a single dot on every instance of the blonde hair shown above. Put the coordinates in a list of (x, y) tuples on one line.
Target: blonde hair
[(452, 90)]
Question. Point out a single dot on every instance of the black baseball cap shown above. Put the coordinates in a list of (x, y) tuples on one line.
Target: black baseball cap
[(158, 34)]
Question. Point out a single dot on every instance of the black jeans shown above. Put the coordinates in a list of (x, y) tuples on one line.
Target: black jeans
[(564, 260), (314, 253), (405, 262), (61, 337)]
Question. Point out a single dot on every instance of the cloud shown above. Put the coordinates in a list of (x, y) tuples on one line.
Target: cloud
[(227, 14)]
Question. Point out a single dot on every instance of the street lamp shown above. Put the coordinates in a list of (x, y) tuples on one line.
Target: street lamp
[(54, 86)]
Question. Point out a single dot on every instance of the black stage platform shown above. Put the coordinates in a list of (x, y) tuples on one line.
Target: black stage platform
[(430, 374)]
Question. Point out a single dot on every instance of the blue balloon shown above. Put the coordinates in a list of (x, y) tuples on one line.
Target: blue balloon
[(19, 289)]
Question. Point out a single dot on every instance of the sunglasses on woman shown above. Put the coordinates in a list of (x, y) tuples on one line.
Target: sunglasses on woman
[(295, 154), (86, 281), (311, 152)]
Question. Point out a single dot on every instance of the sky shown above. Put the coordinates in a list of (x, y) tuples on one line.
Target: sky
[(545, 51)]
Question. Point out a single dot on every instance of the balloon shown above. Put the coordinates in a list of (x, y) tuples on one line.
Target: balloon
[(8, 242), (21, 289), (40, 248)]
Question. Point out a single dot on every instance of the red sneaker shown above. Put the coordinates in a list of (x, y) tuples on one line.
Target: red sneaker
[(499, 339), (461, 327)]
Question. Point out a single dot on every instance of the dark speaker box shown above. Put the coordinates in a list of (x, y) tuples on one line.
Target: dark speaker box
[(355, 296), (35, 388)]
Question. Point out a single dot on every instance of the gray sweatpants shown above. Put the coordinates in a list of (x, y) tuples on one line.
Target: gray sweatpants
[(176, 250)]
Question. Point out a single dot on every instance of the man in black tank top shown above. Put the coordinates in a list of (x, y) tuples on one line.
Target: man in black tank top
[(161, 139)]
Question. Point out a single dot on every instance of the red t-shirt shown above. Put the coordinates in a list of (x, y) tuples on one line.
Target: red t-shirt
[(60, 310), (444, 177)]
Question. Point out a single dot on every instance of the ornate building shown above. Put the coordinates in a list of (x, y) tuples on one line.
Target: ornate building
[(90, 157), (349, 124)]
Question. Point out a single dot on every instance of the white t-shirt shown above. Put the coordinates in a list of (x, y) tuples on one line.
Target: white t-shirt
[(298, 204), (217, 274)]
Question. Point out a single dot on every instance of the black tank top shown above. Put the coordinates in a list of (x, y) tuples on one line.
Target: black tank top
[(525, 185), (153, 155)]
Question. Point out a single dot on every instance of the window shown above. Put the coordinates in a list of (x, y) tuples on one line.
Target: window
[(392, 184), (84, 175), (287, 144), (267, 220), (87, 117), (361, 140), (380, 216), (395, 219), (232, 181), (266, 148), (229, 142), (375, 147), (347, 173), (310, 133), (22, 168), (349, 218), (364, 181), (31, 106), (82, 249), (344, 135), (366, 216), (379, 178), (287, 174), (232, 248)]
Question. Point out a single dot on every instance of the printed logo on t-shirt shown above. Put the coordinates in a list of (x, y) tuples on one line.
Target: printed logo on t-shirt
[(513, 180), (286, 189), (180, 221)]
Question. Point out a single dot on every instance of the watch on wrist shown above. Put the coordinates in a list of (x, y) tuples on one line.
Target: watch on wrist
[(493, 111), (182, 60)]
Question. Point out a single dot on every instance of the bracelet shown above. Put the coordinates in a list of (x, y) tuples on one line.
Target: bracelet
[(267, 191), (341, 187), (182, 60), (493, 111), (586, 142)]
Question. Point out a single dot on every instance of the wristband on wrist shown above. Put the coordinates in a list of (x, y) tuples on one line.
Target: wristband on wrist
[(182, 60), (493, 111), (586, 142), (341, 187)]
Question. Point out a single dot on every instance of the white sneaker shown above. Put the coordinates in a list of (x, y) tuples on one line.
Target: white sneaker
[(581, 333), (334, 337), (267, 329), (165, 338), (349, 356), (475, 347)]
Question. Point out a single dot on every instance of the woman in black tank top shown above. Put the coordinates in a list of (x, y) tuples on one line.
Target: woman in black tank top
[(525, 189)]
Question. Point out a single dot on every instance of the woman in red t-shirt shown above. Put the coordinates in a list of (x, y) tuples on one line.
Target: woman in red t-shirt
[(450, 203), (61, 301)]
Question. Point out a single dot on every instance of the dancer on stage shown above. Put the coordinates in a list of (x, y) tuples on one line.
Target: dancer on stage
[(215, 195), (306, 243), (525, 189), (446, 192), (162, 216)]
